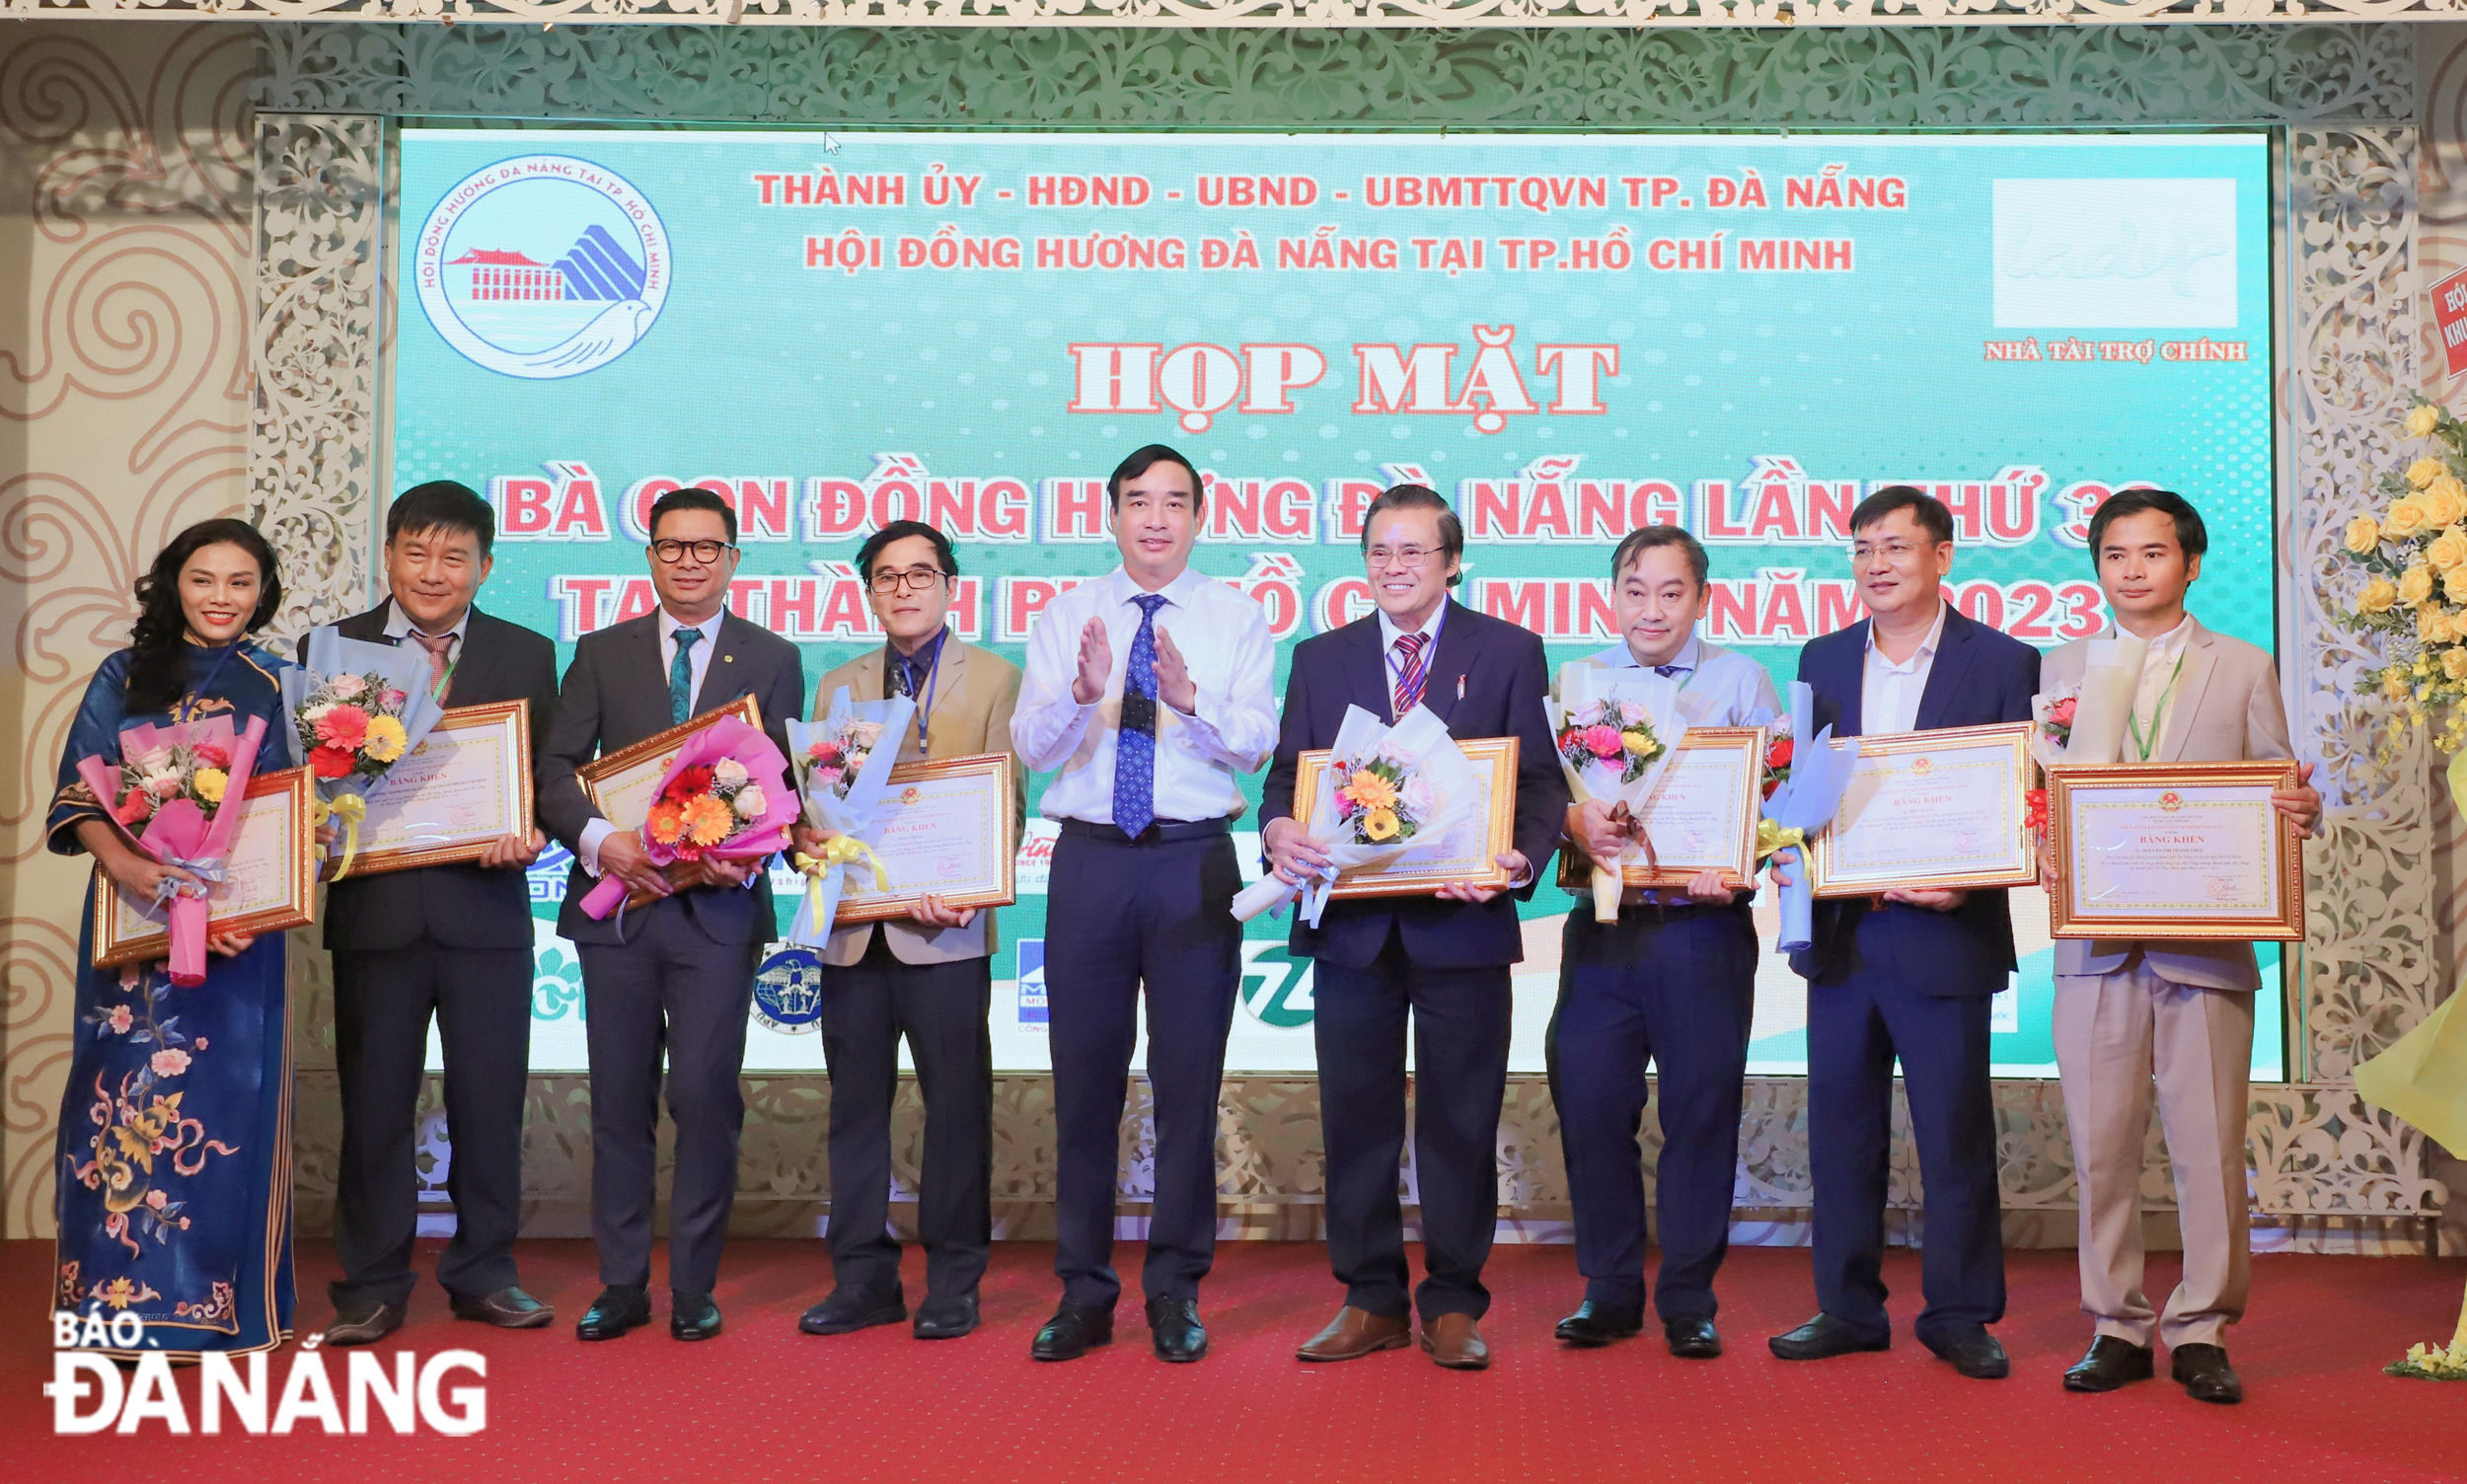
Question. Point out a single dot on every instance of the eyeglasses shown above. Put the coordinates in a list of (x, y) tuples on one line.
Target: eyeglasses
[(914, 580), (1895, 552), (673, 552), (1414, 558)]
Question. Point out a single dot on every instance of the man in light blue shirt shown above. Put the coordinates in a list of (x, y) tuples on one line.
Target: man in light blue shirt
[(1673, 981)]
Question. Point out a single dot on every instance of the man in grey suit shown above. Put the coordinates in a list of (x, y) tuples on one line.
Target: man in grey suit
[(675, 978), (2182, 1011)]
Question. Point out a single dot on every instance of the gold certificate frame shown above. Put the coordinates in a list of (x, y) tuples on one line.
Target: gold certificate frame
[(1495, 758), (1932, 811), (621, 784), (1738, 751), (432, 808), (949, 826), (272, 885), (2183, 851)]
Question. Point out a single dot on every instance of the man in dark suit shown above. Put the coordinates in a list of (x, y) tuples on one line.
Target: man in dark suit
[(1909, 974), (449, 940), (677, 975), (1445, 959)]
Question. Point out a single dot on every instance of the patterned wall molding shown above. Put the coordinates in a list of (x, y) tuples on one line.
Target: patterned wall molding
[(1949, 77)]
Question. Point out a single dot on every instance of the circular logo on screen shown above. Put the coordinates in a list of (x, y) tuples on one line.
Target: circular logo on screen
[(542, 267), (1276, 986), (788, 992)]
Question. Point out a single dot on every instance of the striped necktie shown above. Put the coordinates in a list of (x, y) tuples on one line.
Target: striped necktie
[(1410, 673)]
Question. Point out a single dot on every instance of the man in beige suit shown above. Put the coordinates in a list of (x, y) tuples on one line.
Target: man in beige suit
[(928, 977), (2179, 1010)]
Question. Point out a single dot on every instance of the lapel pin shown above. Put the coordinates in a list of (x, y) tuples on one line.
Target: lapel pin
[(727, 659), (1459, 688)]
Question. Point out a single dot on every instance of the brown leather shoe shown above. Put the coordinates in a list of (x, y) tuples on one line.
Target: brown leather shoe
[(1355, 1333), (1455, 1342)]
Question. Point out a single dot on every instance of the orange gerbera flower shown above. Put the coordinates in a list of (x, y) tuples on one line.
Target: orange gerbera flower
[(666, 824), (1368, 791), (707, 820)]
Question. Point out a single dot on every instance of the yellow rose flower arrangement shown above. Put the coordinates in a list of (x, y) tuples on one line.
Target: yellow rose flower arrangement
[(2454, 585), (2447, 550), (2454, 664), (2406, 518), (2423, 471), (2446, 500), (2380, 595), (2416, 585), (2433, 626), (2363, 533), (2422, 421)]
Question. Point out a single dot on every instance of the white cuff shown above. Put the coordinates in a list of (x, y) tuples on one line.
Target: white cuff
[(587, 850)]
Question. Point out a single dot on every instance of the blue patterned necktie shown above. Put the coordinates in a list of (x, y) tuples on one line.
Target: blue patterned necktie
[(681, 676), (1667, 671), (1135, 747)]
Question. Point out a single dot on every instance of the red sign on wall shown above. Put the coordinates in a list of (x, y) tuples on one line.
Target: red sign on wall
[(2449, 315)]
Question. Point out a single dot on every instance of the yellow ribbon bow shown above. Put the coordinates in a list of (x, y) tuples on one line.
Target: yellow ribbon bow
[(838, 851), (351, 809), (1772, 837)]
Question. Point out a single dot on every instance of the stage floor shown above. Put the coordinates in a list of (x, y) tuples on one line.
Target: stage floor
[(764, 1402)]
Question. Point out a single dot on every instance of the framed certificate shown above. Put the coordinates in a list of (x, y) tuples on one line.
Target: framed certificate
[(1700, 816), (2174, 850), (1465, 855), (945, 826), (466, 786), (621, 784), (271, 880), (1931, 810)]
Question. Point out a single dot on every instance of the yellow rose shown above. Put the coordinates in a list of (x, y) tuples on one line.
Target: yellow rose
[(2423, 420), (2445, 499), (2378, 596), (2447, 550), (2454, 664), (2431, 626), (2454, 585), (2394, 683), (2406, 518), (2423, 471), (210, 784), (2363, 533), (2414, 585)]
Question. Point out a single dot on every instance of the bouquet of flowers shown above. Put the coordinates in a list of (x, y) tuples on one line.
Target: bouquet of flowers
[(2412, 601), (843, 766), (724, 797), (1800, 798), (173, 781), (356, 709), (1385, 791), (1609, 726)]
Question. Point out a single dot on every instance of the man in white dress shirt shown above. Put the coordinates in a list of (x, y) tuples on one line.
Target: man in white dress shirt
[(1150, 690)]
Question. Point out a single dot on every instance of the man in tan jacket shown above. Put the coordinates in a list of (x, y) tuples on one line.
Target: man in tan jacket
[(926, 977), (2179, 1010)]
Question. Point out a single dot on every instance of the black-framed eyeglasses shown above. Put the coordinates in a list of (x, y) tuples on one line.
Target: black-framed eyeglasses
[(673, 552), (914, 580)]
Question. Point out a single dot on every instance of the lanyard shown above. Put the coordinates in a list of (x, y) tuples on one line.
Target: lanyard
[(180, 714), (2158, 715), (933, 674)]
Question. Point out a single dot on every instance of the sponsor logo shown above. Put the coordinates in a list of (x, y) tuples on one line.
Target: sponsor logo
[(1032, 983), (788, 992), (397, 1391), (542, 267), (1033, 871), (1276, 988)]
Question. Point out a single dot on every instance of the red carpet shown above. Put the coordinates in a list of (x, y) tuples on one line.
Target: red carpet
[(763, 1402)]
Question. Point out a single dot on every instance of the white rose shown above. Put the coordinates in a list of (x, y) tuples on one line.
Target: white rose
[(864, 734), (729, 773), (1416, 796), (155, 760), (345, 686), (749, 802)]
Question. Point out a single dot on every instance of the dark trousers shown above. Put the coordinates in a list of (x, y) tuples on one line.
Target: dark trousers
[(1461, 1024), (1123, 918), (482, 1001), (1677, 988), (1856, 1026), (942, 1009), (670, 991)]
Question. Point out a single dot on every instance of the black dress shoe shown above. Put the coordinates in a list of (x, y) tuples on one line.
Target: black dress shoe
[(691, 1317), (2109, 1365), (1692, 1337), (1821, 1338), (616, 1312), (847, 1310), (364, 1323), (507, 1309), (1595, 1325), (2206, 1373), (1971, 1351), (945, 1318), (1075, 1329), (1174, 1329)]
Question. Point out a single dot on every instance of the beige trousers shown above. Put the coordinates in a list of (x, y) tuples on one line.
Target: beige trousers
[(2114, 1034)]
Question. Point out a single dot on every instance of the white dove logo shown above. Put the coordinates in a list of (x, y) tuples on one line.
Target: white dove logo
[(542, 267)]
